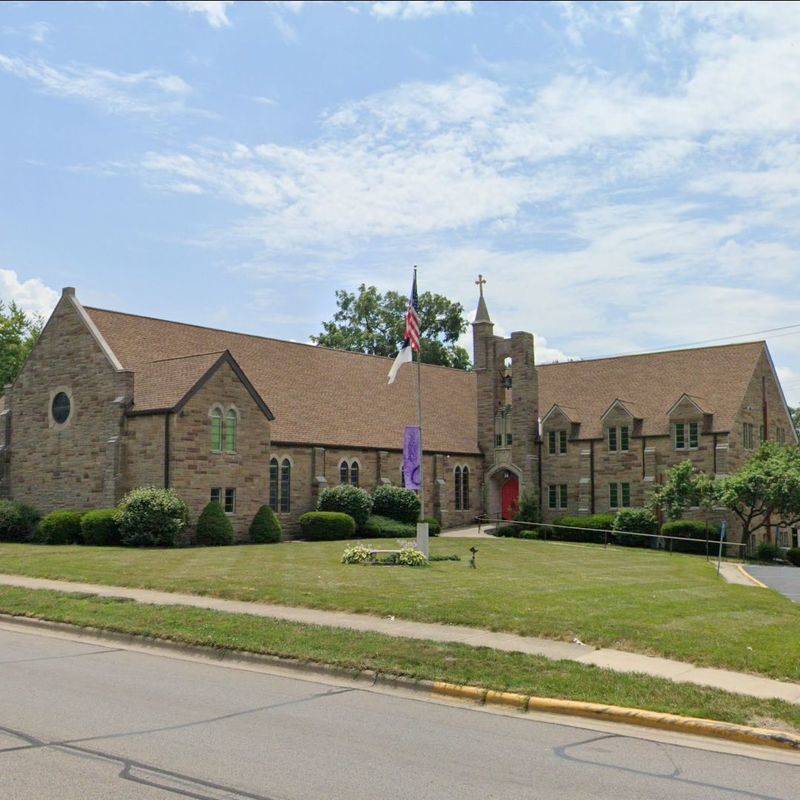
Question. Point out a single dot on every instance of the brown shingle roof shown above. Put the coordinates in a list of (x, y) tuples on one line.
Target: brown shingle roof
[(318, 395), (333, 397), (649, 385)]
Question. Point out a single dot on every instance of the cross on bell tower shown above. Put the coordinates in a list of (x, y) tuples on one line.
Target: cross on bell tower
[(480, 283)]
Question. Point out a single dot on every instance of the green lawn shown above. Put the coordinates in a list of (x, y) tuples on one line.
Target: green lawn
[(418, 659), (671, 605)]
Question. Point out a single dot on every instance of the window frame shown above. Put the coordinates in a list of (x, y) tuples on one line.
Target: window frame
[(355, 473), (458, 501), (274, 484), (231, 430), (465, 501), (748, 435), (216, 416), (625, 494), (552, 496), (285, 487), (344, 472), (613, 495), (216, 490), (563, 496), (230, 493)]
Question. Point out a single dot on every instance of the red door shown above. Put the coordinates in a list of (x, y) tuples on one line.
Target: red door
[(509, 495)]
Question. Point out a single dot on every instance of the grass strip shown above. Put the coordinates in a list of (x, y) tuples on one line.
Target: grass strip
[(455, 663)]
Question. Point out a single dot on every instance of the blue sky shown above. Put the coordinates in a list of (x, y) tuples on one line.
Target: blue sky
[(625, 175)]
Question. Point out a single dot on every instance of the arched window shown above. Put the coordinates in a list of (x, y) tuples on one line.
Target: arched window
[(402, 477), (457, 482), (231, 420), (465, 488), (286, 486), (216, 429), (273, 484), (354, 474), (344, 472)]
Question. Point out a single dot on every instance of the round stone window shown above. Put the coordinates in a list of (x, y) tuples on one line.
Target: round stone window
[(61, 408)]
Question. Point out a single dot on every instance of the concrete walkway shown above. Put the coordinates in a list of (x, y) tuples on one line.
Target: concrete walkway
[(617, 660), (470, 532)]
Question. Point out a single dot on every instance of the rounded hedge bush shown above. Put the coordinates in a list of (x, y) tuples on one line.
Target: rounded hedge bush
[(346, 499), (320, 526), (214, 529), (635, 520), (151, 517), (767, 551), (691, 529), (17, 521), (793, 556), (396, 502), (265, 527), (60, 527), (385, 528), (598, 523), (100, 527)]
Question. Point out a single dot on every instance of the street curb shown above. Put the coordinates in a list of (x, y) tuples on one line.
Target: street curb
[(749, 577), (481, 696)]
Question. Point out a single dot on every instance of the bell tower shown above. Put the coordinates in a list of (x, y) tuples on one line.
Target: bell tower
[(508, 410)]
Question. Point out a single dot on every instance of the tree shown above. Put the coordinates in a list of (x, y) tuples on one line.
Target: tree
[(795, 415), (766, 488), (18, 334), (683, 489), (371, 322)]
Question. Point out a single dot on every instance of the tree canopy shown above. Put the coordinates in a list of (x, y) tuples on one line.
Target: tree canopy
[(766, 487), (370, 322), (18, 334), (684, 488)]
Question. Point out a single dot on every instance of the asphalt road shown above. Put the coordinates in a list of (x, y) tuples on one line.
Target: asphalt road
[(785, 580), (79, 721)]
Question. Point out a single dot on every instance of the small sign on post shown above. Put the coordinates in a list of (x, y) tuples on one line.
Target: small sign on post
[(722, 528)]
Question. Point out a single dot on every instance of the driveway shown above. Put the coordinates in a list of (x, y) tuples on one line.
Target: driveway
[(785, 580)]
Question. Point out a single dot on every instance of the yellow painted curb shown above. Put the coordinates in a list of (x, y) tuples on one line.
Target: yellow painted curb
[(630, 716), (508, 699), (749, 577)]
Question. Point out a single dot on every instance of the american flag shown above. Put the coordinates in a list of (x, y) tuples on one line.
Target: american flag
[(412, 317)]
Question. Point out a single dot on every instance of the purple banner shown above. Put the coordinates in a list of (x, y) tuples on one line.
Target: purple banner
[(412, 458)]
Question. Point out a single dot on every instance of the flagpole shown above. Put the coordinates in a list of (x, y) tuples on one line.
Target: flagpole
[(419, 424)]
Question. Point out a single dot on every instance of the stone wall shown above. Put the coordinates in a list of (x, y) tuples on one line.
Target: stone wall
[(76, 464), (195, 469)]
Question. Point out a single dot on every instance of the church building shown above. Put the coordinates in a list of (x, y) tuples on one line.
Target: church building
[(109, 401)]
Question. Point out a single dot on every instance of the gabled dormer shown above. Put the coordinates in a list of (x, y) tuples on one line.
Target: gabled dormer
[(688, 418), (620, 423), (559, 426)]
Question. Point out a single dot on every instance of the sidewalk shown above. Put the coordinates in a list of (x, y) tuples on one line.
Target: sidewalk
[(618, 660)]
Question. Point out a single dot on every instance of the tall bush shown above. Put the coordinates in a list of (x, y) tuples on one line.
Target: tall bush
[(597, 523), (17, 521), (60, 527), (213, 527), (100, 527), (346, 499), (151, 517), (396, 502), (265, 527), (635, 520)]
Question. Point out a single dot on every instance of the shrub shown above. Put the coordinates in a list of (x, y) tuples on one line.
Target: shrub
[(317, 526), (528, 508), (434, 526), (100, 527), (793, 556), (213, 527), (265, 527), (396, 502), (357, 554), (636, 520), (508, 531), (444, 557), (691, 529), (384, 527), (411, 557), (346, 499), (767, 551), (17, 521), (60, 527), (151, 517), (529, 533), (597, 523)]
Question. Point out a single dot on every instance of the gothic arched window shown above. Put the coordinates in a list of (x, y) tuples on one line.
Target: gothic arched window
[(231, 422), (286, 486), (273, 484), (344, 472), (457, 487), (216, 429), (354, 473), (465, 488)]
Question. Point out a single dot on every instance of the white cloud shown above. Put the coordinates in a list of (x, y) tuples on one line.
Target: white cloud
[(32, 295), (215, 12), (418, 9), (284, 28), (147, 92)]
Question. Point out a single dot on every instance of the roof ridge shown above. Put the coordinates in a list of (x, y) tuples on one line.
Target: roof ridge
[(652, 353), (268, 338)]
